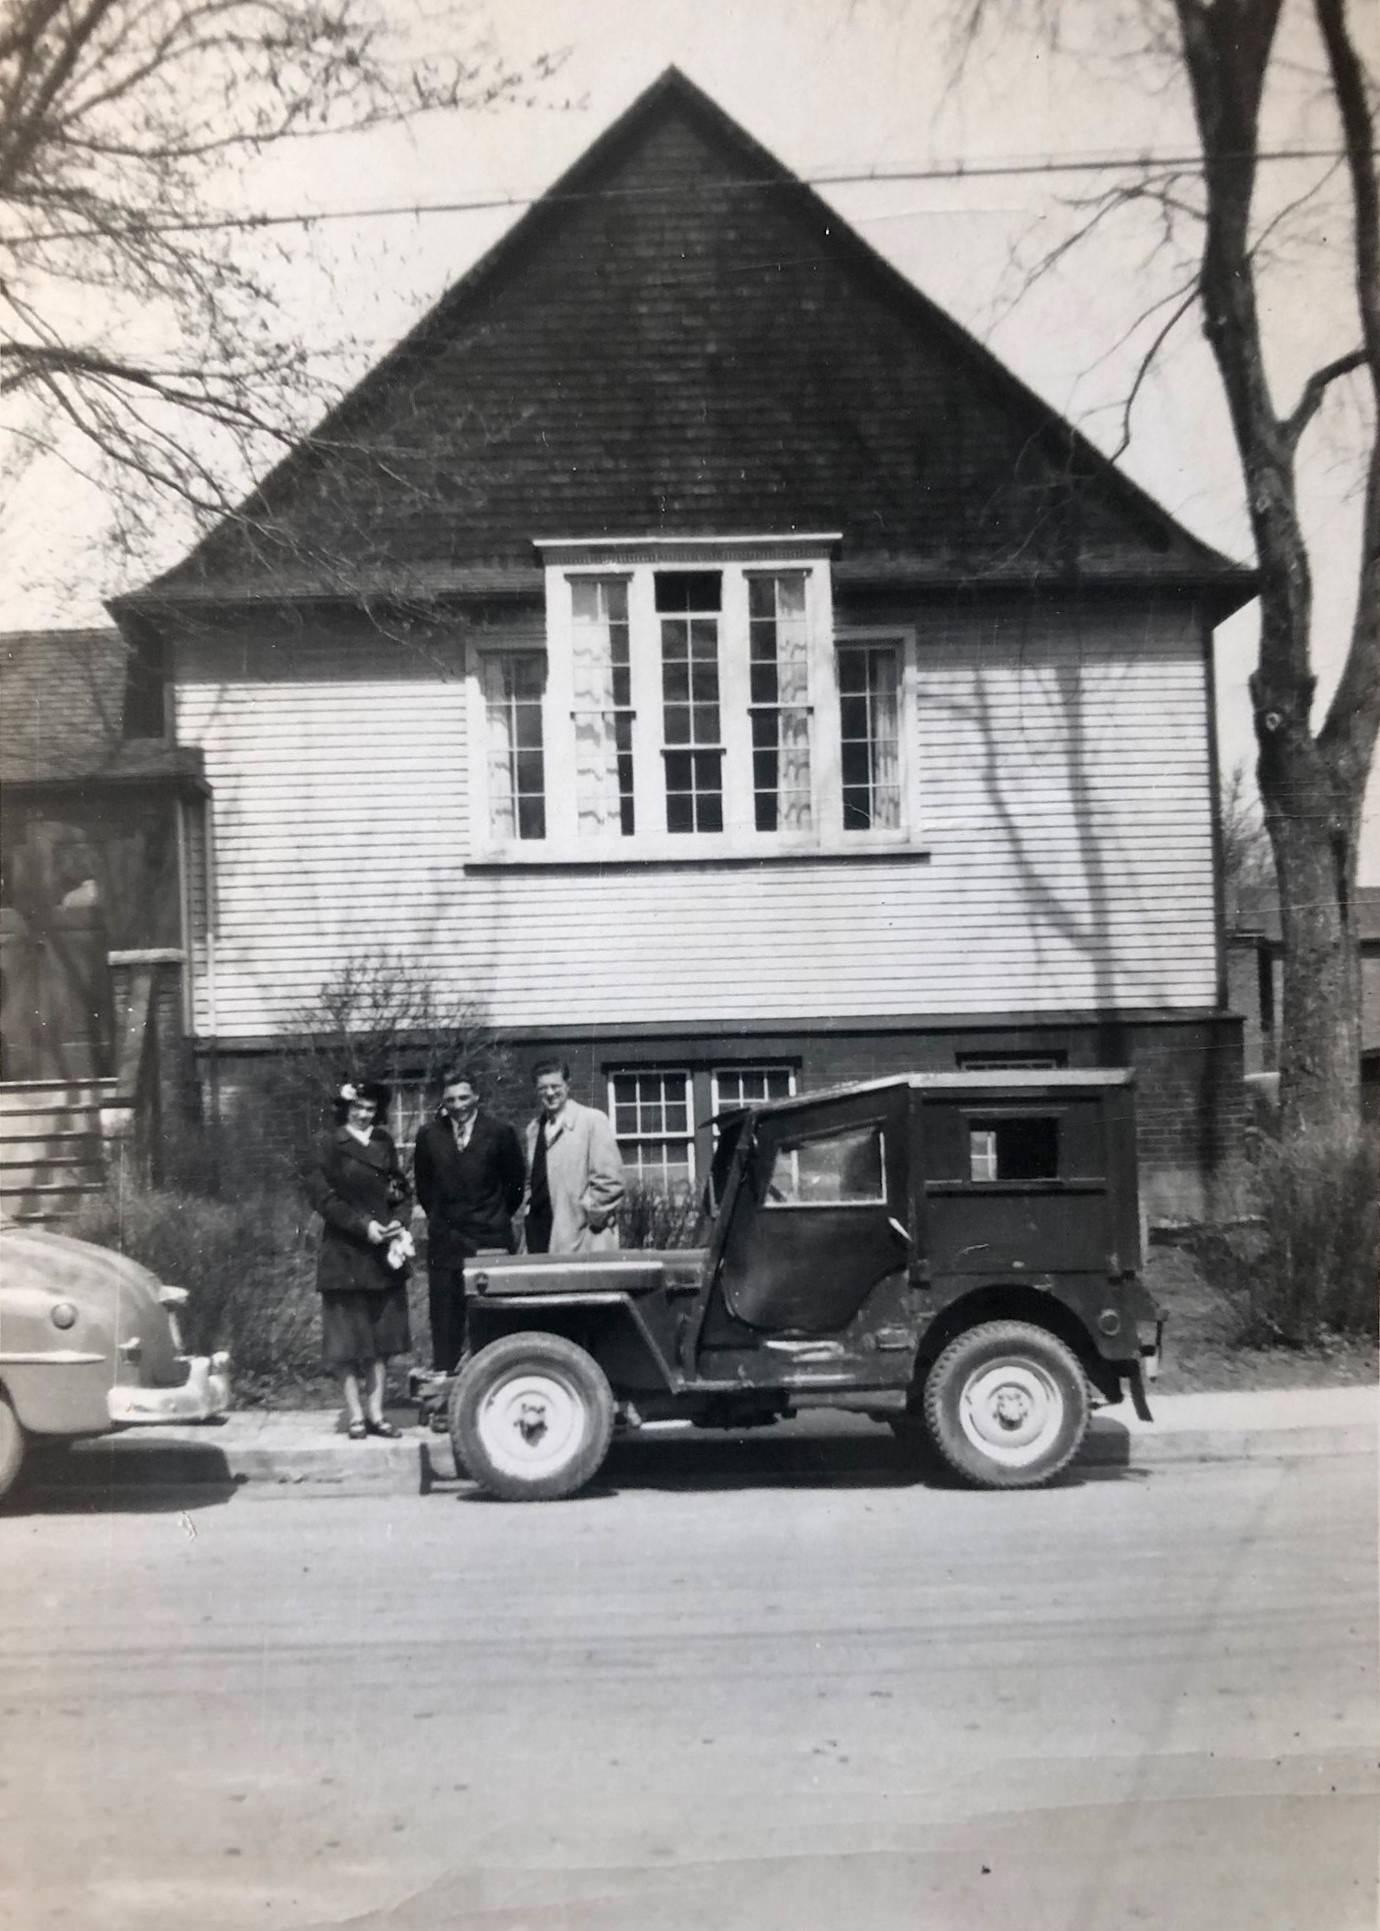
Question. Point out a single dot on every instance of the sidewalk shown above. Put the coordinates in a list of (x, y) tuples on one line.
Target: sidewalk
[(295, 1451)]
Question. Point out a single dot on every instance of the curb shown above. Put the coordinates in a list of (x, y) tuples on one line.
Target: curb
[(148, 1459), (328, 1464), (1111, 1444)]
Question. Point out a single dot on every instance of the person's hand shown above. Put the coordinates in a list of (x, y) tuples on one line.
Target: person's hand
[(375, 1233)]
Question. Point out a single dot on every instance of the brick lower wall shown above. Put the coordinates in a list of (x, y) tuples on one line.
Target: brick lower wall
[(1189, 1092)]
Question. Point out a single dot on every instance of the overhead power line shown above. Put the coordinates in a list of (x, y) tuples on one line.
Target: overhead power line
[(862, 177)]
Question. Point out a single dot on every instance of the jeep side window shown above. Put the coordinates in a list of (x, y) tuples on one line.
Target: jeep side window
[(1013, 1149), (842, 1169)]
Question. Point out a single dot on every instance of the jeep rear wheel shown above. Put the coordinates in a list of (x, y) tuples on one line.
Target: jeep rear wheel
[(531, 1417), (11, 1446), (1006, 1405)]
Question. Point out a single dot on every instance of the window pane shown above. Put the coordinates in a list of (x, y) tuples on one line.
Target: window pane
[(690, 708), (409, 1107), (870, 734), (651, 1117), (687, 589), (749, 1085), (1017, 1149), (513, 684), (1010, 1062), (779, 680), (844, 1169), (602, 719)]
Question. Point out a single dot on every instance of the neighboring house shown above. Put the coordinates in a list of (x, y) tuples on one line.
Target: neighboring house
[(1255, 956), (99, 808), (692, 644)]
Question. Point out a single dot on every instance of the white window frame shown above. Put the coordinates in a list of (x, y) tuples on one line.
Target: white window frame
[(719, 1073), (908, 726), (737, 561), (409, 1104), (625, 1140)]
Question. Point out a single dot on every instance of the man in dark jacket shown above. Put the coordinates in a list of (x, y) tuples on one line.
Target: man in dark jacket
[(470, 1174)]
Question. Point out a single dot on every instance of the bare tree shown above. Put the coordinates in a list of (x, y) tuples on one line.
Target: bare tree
[(379, 1017), (1215, 243), (136, 327), (1247, 861)]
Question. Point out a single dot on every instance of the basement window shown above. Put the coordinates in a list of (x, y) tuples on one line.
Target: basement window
[(1019, 1148)]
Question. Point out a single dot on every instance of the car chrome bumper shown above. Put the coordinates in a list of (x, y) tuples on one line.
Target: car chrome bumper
[(205, 1393)]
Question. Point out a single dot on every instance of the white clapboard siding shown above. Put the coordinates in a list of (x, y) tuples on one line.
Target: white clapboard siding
[(1064, 792)]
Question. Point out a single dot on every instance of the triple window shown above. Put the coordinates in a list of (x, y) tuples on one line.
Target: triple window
[(680, 709)]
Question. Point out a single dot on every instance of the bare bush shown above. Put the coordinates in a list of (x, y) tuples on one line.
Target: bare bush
[(249, 1265), (1301, 1262), (377, 1017), (650, 1218)]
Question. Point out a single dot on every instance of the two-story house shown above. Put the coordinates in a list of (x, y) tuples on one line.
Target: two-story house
[(693, 645)]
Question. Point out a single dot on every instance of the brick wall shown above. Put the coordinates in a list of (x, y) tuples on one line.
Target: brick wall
[(1190, 1105)]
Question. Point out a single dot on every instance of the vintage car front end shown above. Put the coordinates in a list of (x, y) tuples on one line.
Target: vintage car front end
[(89, 1340)]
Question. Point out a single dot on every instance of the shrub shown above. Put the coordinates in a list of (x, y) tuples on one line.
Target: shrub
[(249, 1265), (650, 1218), (1303, 1260)]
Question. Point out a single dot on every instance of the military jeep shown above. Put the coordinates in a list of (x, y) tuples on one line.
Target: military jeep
[(956, 1254)]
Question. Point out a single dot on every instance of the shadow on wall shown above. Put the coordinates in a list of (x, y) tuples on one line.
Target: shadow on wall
[(1092, 906)]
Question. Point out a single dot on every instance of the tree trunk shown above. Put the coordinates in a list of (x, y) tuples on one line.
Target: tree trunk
[(1312, 787), (1315, 862)]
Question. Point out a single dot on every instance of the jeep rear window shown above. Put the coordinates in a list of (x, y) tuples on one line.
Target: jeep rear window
[(837, 1170), (1013, 1149)]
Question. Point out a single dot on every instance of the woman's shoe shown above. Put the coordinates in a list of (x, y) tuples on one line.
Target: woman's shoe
[(384, 1428), (356, 1430)]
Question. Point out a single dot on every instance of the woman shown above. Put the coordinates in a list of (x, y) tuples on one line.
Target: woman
[(355, 1183)]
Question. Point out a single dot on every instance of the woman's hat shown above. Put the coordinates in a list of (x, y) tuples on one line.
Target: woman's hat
[(371, 1090)]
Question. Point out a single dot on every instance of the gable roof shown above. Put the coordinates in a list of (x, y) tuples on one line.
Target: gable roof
[(62, 709), (680, 338)]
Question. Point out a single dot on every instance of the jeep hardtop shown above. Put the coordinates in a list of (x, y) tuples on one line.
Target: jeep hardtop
[(957, 1254)]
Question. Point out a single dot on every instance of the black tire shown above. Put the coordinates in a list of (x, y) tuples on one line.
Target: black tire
[(11, 1446), (1006, 1405), (531, 1417)]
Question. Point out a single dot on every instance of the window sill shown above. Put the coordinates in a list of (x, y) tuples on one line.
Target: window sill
[(535, 857)]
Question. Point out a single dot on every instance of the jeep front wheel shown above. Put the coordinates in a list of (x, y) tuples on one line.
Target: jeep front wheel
[(1006, 1405), (531, 1417)]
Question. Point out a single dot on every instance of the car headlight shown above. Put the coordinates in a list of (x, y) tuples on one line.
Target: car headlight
[(63, 1314)]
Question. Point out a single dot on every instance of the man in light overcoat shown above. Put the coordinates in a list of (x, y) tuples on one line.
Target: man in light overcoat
[(574, 1171)]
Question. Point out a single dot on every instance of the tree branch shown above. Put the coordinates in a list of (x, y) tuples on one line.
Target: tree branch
[(1316, 388)]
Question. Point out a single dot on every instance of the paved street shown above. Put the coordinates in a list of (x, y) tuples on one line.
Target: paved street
[(768, 1684)]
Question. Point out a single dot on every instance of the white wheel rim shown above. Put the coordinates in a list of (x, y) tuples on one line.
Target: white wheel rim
[(531, 1422), (1011, 1412)]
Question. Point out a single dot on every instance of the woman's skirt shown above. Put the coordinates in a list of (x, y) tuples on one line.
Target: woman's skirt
[(360, 1326)]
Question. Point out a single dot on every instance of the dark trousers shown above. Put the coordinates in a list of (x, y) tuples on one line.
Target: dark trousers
[(446, 1306)]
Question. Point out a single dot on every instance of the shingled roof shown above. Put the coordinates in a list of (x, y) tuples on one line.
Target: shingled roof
[(680, 338), (62, 713)]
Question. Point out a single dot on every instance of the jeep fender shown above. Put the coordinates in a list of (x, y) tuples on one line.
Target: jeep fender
[(608, 1325)]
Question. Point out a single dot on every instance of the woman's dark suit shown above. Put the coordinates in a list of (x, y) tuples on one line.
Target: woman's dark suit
[(363, 1300)]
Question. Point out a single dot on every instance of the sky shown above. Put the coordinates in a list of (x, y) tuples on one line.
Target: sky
[(832, 87)]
